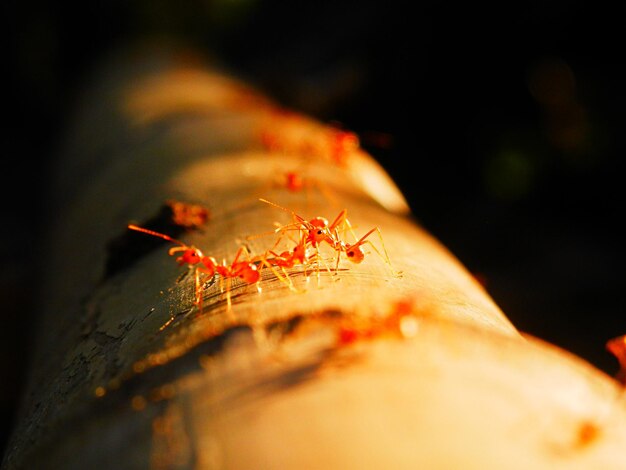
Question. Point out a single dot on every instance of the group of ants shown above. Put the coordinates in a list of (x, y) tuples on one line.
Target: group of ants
[(310, 236)]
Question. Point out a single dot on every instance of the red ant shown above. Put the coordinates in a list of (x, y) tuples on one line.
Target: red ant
[(330, 234), (342, 143), (312, 232), (617, 347), (187, 215), (307, 138), (318, 230), (299, 255), (192, 256), (247, 271), (294, 181), (288, 259)]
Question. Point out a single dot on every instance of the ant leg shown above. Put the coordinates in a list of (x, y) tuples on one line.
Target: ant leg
[(340, 219), (284, 278), (321, 260), (198, 302), (238, 254), (228, 301), (384, 257), (199, 285), (338, 259), (350, 228)]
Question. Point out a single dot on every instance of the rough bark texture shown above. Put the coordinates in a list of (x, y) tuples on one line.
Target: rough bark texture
[(403, 362)]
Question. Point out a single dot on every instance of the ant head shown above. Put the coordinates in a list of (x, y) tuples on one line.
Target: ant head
[(355, 253), (189, 256), (318, 230), (318, 235)]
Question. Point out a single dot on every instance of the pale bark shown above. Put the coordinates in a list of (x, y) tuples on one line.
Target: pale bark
[(429, 372)]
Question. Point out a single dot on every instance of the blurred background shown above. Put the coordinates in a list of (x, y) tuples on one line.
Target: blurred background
[(504, 126)]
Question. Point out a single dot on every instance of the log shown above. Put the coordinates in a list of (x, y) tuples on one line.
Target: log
[(400, 361)]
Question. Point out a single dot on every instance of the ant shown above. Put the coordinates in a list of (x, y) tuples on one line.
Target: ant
[(190, 216), (294, 181), (288, 259), (247, 271), (299, 255), (297, 181), (309, 139), (342, 144), (617, 347), (193, 257), (312, 232), (190, 256), (318, 230)]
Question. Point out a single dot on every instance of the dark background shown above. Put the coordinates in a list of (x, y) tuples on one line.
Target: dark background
[(506, 129)]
